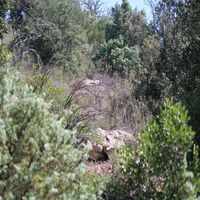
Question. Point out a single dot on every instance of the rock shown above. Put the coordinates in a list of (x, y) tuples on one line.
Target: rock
[(110, 142), (89, 82)]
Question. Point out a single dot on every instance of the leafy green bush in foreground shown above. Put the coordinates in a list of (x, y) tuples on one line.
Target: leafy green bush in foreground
[(38, 159), (158, 168)]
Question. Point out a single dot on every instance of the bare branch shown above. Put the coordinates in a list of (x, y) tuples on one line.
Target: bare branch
[(93, 6)]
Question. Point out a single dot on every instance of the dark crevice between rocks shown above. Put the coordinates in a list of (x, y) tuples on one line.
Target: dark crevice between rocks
[(102, 158)]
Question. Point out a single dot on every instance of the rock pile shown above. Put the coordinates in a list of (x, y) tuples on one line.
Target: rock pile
[(110, 142)]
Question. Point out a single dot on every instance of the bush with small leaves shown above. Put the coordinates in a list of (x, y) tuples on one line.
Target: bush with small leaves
[(158, 168), (117, 57), (38, 158)]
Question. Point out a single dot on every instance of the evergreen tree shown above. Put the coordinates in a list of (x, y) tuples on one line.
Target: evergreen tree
[(121, 24), (120, 53)]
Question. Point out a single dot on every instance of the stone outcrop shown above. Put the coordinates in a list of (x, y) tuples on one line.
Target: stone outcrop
[(89, 82), (110, 142)]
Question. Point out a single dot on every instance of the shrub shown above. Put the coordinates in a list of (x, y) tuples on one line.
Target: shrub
[(38, 158), (115, 190), (3, 28), (158, 168), (116, 57), (4, 55)]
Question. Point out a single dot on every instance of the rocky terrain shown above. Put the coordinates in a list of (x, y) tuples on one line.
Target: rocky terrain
[(113, 121)]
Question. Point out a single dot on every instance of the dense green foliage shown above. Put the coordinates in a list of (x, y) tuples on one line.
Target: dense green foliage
[(120, 53), (158, 57), (52, 33), (114, 57), (38, 159), (158, 168)]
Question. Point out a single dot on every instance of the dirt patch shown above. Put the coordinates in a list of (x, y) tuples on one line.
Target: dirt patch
[(101, 167)]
